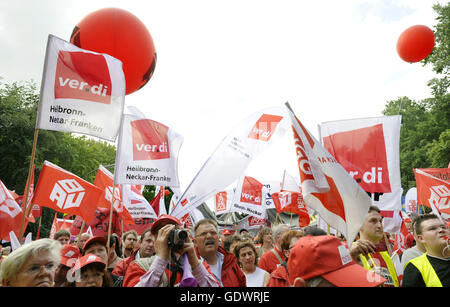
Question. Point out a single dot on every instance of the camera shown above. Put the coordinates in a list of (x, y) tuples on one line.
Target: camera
[(177, 238)]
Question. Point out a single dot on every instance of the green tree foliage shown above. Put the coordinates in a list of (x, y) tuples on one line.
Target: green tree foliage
[(425, 132)]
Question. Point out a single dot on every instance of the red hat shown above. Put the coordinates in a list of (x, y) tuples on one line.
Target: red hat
[(227, 232), (325, 256), (88, 259), (69, 252), (92, 240), (163, 220)]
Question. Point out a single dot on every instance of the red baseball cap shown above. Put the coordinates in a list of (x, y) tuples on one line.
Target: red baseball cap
[(227, 232), (69, 252), (88, 259), (92, 240), (163, 220), (326, 256)]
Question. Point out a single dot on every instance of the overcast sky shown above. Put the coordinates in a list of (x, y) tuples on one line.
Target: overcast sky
[(220, 61)]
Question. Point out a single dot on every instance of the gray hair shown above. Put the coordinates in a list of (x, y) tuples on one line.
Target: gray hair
[(14, 262), (279, 229)]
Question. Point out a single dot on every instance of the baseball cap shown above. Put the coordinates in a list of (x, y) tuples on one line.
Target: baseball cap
[(326, 256), (88, 259), (227, 232), (69, 252), (92, 240), (163, 220)]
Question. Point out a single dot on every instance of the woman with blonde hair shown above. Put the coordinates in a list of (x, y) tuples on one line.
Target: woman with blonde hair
[(32, 265)]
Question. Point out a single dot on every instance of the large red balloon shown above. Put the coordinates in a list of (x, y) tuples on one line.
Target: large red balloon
[(415, 43), (121, 35)]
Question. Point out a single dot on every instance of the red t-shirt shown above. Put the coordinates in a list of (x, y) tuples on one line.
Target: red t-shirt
[(269, 261)]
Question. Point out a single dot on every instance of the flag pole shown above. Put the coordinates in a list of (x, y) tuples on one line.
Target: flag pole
[(110, 216), (39, 228), (27, 186)]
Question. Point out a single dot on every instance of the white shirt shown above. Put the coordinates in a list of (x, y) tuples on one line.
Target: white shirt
[(255, 279)]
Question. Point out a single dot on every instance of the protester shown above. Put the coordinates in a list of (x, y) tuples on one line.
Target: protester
[(323, 261), (273, 258), (114, 252), (415, 251), (226, 233), (314, 231), (265, 240), (97, 246), (246, 254), (31, 265), (62, 236), (280, 277), (82, 238), (431, 269), (222, 264), (231, 241), (90, 271), (69, 255), (166, 268), (129, 239), (146, 249), (371, 251)]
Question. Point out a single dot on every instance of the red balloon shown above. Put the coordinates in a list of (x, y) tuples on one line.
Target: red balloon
[(121, 35), (415, 43)]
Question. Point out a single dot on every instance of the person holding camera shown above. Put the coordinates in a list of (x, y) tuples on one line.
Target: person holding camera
[(166, 267)]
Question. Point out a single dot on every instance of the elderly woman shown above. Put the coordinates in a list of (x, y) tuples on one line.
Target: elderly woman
[(32, 265), (246, 255)]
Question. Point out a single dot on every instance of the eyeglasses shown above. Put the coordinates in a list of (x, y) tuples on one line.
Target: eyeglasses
[(204, 234), (36, 268)]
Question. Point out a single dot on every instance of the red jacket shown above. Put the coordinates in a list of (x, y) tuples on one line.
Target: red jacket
[(232, 275), (279, 278), (121, 268)]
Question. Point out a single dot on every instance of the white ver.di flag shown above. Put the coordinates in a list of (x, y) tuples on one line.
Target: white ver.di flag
[(250, 197), (233, 155), (147, 152), (326, 185), (369, 150), (81, 91)]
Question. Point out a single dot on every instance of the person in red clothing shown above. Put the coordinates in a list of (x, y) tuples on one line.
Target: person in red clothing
[(222, 263), (273, 258), (146, 249), (280, 277)]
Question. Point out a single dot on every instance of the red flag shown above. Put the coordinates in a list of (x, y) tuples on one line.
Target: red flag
[(105, 181), (65, 192), (10, 213), (288, 201), (400, 239), (433, 189), (155, 203), (326, 185)]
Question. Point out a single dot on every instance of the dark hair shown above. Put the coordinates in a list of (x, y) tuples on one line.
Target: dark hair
[(230, 240), (144, 233), (243, 229), (107, 278), (374, 208), (420, 219), (115, 240), (61, 233), (314, 231), (241, 245)]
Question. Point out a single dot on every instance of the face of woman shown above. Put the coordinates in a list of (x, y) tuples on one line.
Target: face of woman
[(91, 277), (247, 258), (268, 237), (37, 271)]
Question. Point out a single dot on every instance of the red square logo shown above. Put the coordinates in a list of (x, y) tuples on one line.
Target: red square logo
[(221, 201), (362, 152), (150, 140), (264, 127), (81, 75), (251, 191)]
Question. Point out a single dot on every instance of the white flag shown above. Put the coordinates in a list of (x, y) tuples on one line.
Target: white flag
[(369, 150), (326, 186), (162, 203), (135, 203), (147, 153), (250, 197), (290, 183), (82, 91), (233, 155)]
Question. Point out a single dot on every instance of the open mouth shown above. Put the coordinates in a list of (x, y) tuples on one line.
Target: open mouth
[(210, 242)]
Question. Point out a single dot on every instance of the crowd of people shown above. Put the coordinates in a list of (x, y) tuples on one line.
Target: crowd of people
[(278, 256)]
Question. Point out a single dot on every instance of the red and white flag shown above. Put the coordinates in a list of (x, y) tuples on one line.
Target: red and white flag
[(82, 91), (10, 213), (147, 153), (162, 203), (288, 201), (326, 185), (111, 195), (433, 189), (250, 197), (59, 224), (65, 192), (222, 202), (369, 150), (252, 222), (135, 203), (233, 155)]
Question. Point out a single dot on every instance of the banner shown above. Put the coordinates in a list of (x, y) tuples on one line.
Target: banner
[(223, 201), (10, 214), (233, 155), (250, 197), (135, 203), (252, 222), (147, 153), (162, 203), (411, 201), (432, 191), (326, 186), (82, 91), (369, 150), (59, 224), (65, 192), (272, 186)]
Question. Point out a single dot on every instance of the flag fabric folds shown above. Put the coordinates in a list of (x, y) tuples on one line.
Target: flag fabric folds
[(82, 91), (10, 213), (250, 197), (326, 186), (432, 190)]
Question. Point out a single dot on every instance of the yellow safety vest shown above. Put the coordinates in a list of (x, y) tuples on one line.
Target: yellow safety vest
[(426, 269), (391, 277)]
